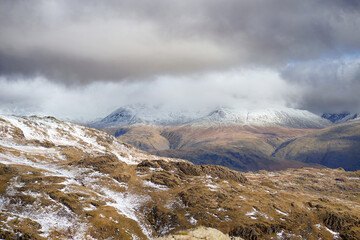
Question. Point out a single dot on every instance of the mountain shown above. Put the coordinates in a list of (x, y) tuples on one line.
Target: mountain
[(335, 146), (150, 115), (243, 148), (145, 114), (59, 180), (340, 117), (238, 139), (284, 117)]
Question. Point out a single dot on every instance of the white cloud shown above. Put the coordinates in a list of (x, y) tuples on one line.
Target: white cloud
[(250, 89)]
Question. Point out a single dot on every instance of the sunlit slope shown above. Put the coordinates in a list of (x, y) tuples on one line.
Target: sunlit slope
[(335, 146), (238, 147)]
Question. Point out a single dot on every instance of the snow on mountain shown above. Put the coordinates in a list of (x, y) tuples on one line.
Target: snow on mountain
[(285, 117), (142, 114), (340, 117)]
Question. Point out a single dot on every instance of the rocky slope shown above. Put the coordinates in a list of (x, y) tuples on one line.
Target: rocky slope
[(340, 117), (63, 181)]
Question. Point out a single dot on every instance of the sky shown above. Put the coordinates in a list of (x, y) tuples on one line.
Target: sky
[(81, 60)]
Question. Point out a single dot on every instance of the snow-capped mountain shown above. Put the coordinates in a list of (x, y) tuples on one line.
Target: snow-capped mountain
[(285, 117), (142, 114), (340, 117)]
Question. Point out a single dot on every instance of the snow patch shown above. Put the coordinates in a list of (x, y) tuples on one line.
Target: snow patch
[(252, 213), (281, 212), (153, 185), (129, 160), (212, 187)]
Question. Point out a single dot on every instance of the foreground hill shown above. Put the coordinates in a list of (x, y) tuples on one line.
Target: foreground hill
[(63, 181)]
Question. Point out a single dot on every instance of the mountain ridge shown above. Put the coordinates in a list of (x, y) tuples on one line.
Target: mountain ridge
[(244, 140), (148, 115)]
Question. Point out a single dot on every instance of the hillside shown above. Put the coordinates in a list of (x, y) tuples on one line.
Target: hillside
[(336, 146), (243, 148), (64, 181)]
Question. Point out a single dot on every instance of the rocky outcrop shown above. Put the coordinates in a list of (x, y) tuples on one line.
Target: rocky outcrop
[(182, 169), (199, 233)]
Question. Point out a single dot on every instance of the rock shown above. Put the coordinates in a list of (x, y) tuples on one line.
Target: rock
[(212, 170), (148, 164), (334, 221), (246, 232), (162, 220), (223, 173), (198, 234), (165, 178)]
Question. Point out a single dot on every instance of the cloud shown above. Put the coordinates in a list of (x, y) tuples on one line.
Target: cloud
[(250, 89), (326, 85), (83, 59), (86, 41)]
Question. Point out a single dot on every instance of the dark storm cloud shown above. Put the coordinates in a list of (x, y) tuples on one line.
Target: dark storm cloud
[(86, 41), (329, 85)]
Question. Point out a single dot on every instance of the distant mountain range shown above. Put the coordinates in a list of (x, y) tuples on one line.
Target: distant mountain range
[(149, 115), (270, 139)]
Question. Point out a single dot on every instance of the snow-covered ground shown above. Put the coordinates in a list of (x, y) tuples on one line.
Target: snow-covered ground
[(50, 130)]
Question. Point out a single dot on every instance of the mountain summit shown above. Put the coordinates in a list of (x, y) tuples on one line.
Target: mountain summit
[(150, 115), (284, 117), (145, 114)]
